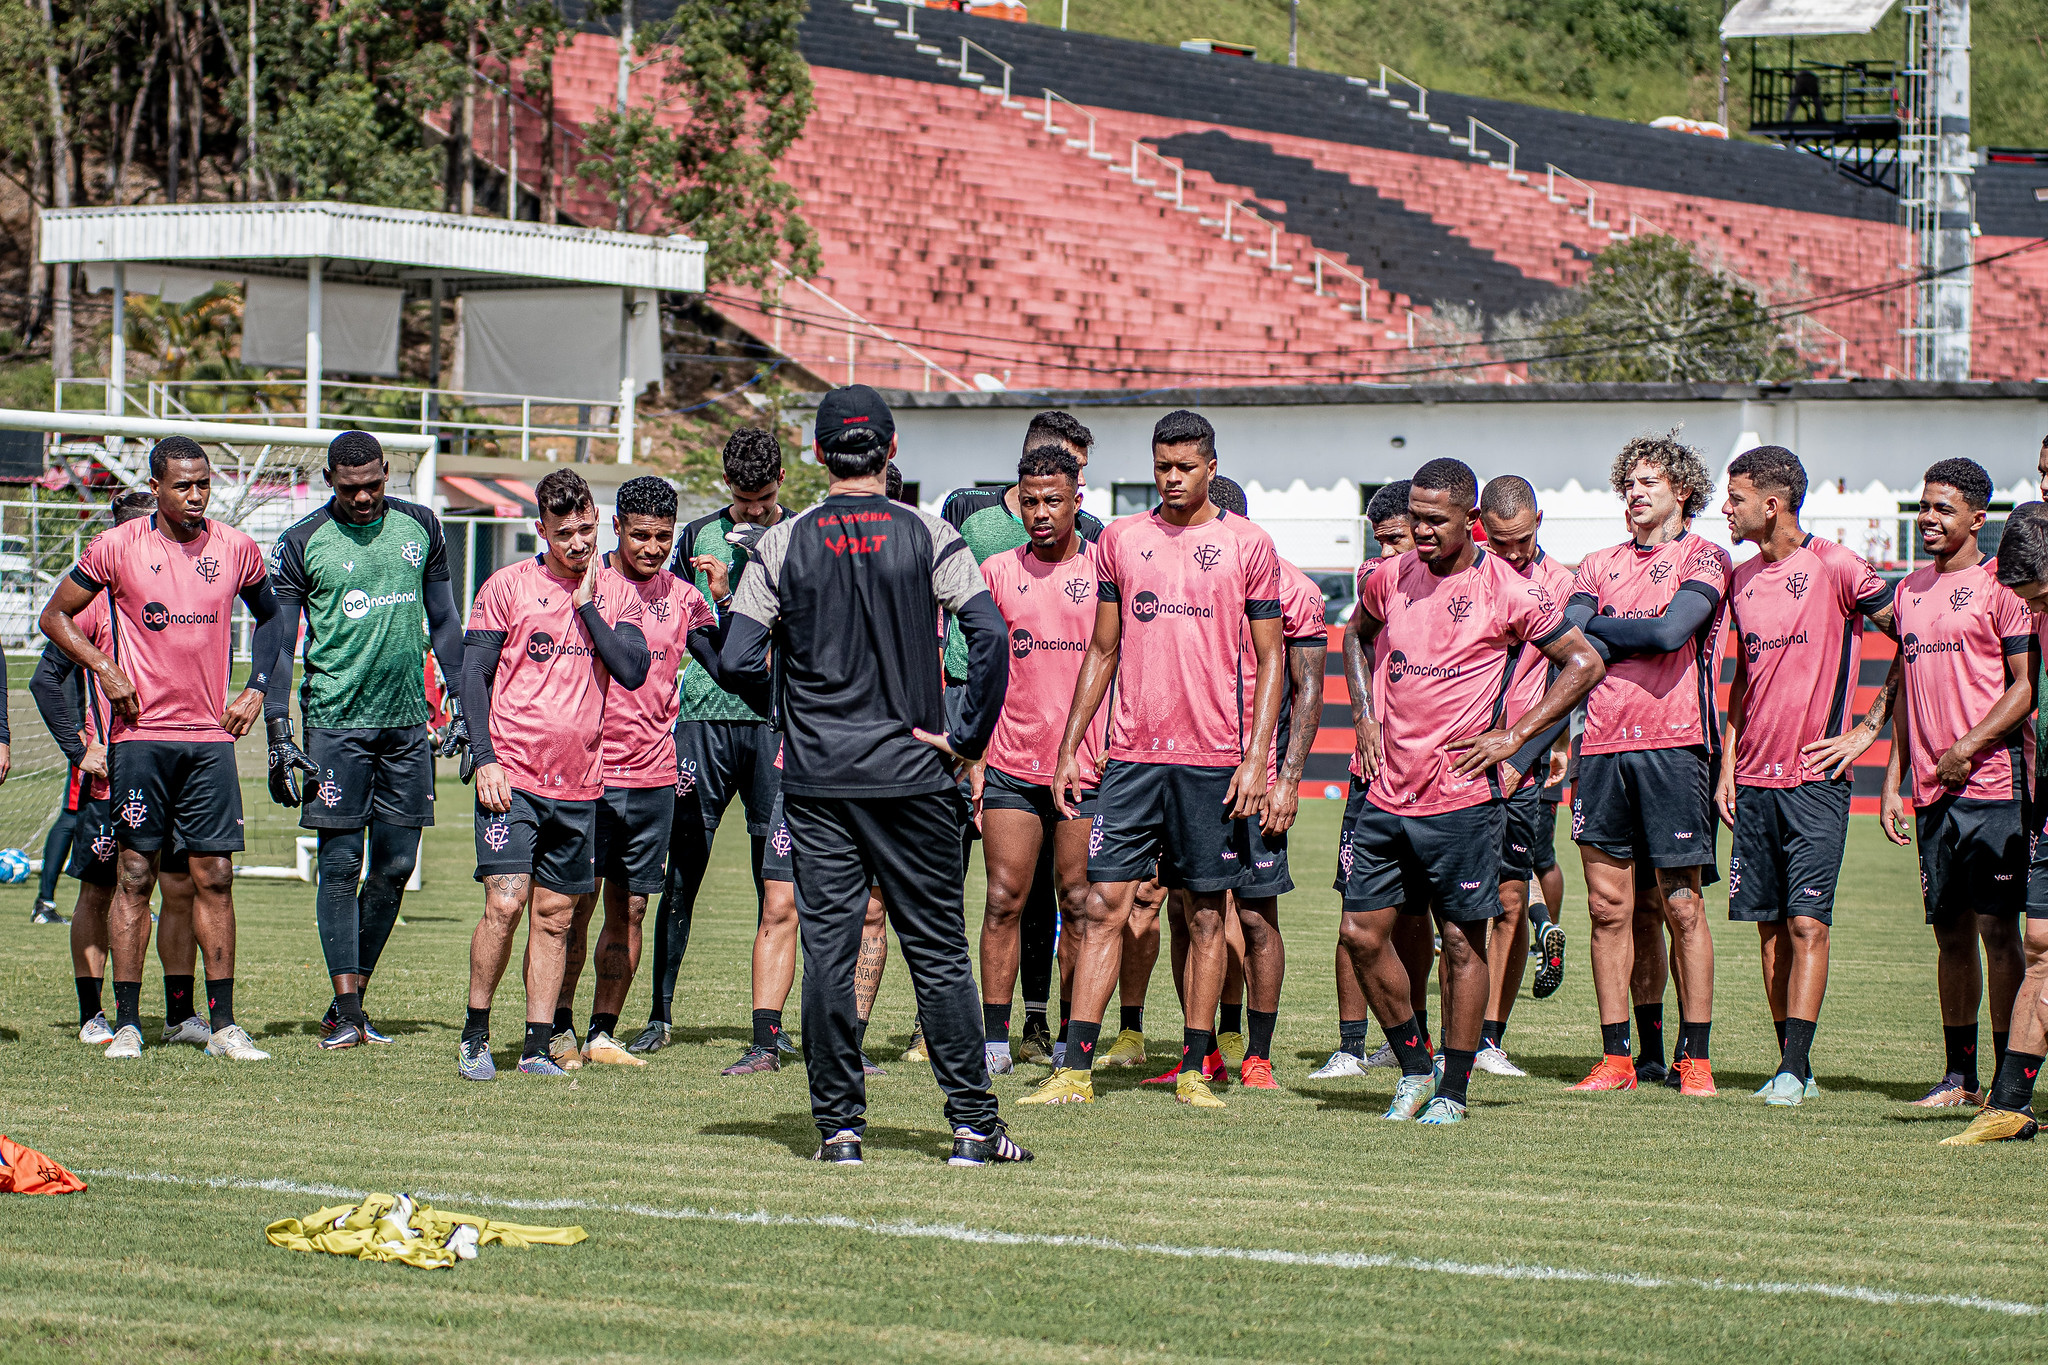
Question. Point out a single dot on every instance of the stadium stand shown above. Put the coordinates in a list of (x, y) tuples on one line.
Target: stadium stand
[(955, 222)]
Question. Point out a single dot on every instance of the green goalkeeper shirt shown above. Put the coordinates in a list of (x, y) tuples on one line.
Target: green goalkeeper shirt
[(704, 699), (363, 590), (985, 522)]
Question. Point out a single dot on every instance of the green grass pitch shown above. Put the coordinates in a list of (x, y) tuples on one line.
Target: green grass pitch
[(1619, 1227)]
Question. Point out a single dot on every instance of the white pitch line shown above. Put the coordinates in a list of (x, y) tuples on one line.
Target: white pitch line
[(957, 1232)]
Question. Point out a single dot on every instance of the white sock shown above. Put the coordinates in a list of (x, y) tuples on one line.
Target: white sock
[(999, 1049)]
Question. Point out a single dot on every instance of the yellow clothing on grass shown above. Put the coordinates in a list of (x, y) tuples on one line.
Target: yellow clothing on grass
[(388, 1228)]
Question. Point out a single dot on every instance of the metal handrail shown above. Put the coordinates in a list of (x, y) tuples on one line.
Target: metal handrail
[(966, 74), (1553, 174), (1232, 207), (855, 318), (1421, 93), (1179, 194), (1323, 262), (1054, 97), (1472, 129)]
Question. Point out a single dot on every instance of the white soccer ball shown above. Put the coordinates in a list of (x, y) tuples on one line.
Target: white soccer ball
[(13, 866)]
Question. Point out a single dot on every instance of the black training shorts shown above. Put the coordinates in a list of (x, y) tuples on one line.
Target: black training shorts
[(158, 784), (1001, 791), (777, 864), (1449, 862), (1788, 851), (1543, 850), (1172, 814), (555, 842), (1518, 847), (1974, 856), (717, 760), (1652, 806), (93, 848), (383, 775), (1266, 874), (632, 837)]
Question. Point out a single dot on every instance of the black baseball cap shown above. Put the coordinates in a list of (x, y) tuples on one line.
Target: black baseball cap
[(854, 419)]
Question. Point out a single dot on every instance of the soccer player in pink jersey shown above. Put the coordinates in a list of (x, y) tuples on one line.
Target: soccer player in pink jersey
[(1967, 661), (1643, 802), (1183, 590), (1045, 590), (1508, 511), (171, 581), (2008, 1112), (1450, 623), (1798, 610), (548, 638), (637, 810)]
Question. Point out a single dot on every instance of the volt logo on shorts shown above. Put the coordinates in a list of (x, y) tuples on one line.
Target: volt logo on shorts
[(1681, 834), (1398, 668), (1146, 606), (1471, 886), (157, 616), (356, 604)]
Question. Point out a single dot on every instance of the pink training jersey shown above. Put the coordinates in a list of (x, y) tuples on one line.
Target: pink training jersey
[(1799, 625), (92, 624), (640, 723), (1658, 701), (1955, 631), (1372, 653), (1187, 596), (1050, 609), (1532, 671), (1447, 647), (171, 606), (1301, 623), (548, 703)]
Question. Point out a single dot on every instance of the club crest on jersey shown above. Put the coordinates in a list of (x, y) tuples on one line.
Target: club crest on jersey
[(207, 568), (329, 791), (781, 841), (659, 606), (497, 833), (1078, 590), (1659, 572), (1960, 598), (1459, 608), (414, 553), (1797, 585), (134, 810), (686, 777), (1208, 556)]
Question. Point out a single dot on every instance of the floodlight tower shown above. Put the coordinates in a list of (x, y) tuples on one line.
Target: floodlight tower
[(1941, 205)]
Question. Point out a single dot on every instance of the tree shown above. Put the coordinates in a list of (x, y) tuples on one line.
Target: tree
[(1650, 312)]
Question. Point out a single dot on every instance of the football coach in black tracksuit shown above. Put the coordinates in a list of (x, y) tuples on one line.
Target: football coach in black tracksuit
[(848, 594)]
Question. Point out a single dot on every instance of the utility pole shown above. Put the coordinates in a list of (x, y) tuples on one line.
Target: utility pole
[(625, 90), (1293, 30), (1954, 206), (1723, 118), (252, 101), (468, 202), (60, 196)]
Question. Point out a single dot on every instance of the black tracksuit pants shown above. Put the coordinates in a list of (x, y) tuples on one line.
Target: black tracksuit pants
[(910, 847)]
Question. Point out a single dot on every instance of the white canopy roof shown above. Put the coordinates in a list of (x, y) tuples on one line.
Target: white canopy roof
[(1798, 18), (371, 245)]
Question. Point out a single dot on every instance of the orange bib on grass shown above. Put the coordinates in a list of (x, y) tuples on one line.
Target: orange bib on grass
[(28, 1171)]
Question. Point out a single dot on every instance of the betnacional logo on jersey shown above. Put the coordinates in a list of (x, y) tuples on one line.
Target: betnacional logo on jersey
[(1960, 598), (207, 568), (541, 647), (1146, 606), (157, 616), (356, 604), (1078, 590), (1797, 584), (1912, 648), (1022, 642), (1398, 668), (1208, 556), (414, 553), (1755, 646)]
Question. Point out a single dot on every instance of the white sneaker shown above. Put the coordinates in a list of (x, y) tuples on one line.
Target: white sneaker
[(96, 1031), (999, 1063), (127, 1042), (1436, 1067), (1494, 1062), (1383, 1057), (233, 1043), (1340, 1065), (192, 1029)]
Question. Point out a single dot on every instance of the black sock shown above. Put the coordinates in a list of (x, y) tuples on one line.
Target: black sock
[(1961, 1041), (1034, 1014), (1422, 1026), (177, 1000), (127, 1005), (1066, 1019), (1260, 1040), (1779, 1025), (537, 1036), (1081, 1039), (350, 1007), (607, 1024), (1539, 915), (565, 1019), (767, 1025), (1410, 1047), (88, 999), (2014, 1088), (1998, 1051), (1614, 1039), (1796, 1060), (1650, 1032), (1490, 1031), (1233, 1018), (1195, 1046), (1352, 1036), (995, 1023), (1457, 1074), (1131, 1017), (1692, 1040), (476, 1026), (220, 1002)]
